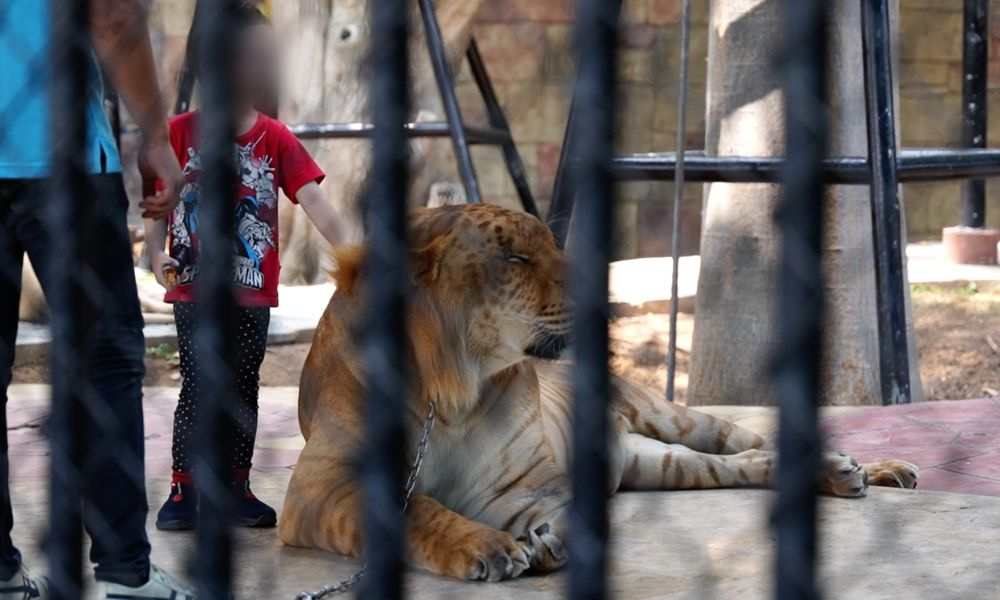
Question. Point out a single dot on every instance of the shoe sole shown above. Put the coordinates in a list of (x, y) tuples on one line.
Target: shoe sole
[(176, 525), (258, 523)]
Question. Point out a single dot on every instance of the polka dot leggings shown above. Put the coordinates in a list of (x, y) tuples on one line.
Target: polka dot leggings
[(252, 325)]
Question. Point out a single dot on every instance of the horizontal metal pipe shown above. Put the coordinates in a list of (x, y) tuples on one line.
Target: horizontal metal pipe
[(325, 131), (914, 165)]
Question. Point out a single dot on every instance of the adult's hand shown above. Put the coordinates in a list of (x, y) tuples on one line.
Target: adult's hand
[(158, 162)]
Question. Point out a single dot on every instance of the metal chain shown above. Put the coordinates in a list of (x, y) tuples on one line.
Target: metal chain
[(347, 584)]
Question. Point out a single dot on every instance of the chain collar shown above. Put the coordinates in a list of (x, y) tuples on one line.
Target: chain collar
[(349, 583)]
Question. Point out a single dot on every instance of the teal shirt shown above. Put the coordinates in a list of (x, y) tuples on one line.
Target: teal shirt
[(25, 75)]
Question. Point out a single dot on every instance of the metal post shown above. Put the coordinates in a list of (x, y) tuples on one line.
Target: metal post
[(445, 81), (975, 99), (675, 239), (563, 197), (188, 76), (894, 355), (68, 205), (215, 335), (385, 321), (800, 300), (596, 46), (498, 121)]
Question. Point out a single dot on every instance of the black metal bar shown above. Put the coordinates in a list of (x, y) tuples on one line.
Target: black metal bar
[(446, 83), (894, 355), (385, 320), (515, 166), (596, 46), (215, 335), (675, 238), (798, 348), (116, 115), (432, 129), (68, 205), (189, 72), (975, 102), (913, 165), (563, 197)]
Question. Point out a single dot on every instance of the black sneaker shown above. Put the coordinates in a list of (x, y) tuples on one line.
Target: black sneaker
[(180, 511), (249, 511), (22, 586)]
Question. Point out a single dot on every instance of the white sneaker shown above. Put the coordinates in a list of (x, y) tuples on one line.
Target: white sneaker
[(159, 587), (22, 586)]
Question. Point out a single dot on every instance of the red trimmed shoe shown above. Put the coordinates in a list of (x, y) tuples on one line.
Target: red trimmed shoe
[(180, 511), (249, 510)]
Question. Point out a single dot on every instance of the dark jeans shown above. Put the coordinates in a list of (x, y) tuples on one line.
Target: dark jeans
[(114, 490)]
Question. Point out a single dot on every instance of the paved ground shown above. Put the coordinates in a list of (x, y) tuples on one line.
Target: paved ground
[(923, 544)]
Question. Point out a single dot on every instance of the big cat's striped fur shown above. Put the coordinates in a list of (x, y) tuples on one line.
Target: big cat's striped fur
[(488, 291)]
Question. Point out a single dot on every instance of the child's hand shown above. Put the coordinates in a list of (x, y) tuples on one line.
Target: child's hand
[(164, 269)]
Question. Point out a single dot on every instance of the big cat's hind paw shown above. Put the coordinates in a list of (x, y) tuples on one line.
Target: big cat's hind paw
[(843, 476)]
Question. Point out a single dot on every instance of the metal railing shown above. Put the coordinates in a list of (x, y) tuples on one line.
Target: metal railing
[(888, 167)]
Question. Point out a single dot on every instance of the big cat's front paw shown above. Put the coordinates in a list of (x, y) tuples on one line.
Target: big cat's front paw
[(893, 473), (494, 556)]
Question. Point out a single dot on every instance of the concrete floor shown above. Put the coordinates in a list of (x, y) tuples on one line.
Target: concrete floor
[(698, 545)]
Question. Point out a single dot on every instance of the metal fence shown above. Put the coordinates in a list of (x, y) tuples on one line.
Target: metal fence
[(587, 194)]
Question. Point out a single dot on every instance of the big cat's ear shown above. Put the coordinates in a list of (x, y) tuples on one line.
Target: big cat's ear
[(347, 268), (426, 261)]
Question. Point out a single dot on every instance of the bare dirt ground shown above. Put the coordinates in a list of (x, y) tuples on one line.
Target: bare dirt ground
[(958, 337)]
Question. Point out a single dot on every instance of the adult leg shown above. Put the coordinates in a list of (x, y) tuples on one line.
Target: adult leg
[(11, 257), (115, 505)]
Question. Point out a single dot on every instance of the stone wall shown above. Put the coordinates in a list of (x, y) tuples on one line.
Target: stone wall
[(527, 47)]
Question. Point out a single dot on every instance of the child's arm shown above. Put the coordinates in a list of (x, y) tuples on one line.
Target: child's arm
[(159, 261), (319, 211)]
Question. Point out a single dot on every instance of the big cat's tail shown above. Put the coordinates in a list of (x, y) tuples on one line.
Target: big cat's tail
[(347, 268)]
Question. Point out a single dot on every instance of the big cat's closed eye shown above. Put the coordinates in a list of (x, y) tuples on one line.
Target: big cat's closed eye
[(518, 259)]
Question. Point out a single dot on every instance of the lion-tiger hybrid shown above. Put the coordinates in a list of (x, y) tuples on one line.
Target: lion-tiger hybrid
[(488, 317)]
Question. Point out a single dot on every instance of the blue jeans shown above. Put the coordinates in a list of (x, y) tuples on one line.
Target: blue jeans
[(114, 490)]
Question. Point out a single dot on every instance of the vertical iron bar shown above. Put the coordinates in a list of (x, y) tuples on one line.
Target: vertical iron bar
[(975, 98), (894, 356), (188, 76), (69, 49), (560, 213), (116, 117), (800, 300), (446, 83), (596, 46), (215, 334), (385, 321), (675, 244), (515, 166)]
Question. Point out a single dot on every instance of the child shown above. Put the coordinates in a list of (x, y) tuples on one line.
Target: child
[(269, 157)]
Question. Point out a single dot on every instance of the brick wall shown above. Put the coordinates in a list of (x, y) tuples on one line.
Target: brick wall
[(527, 45), (930, 78), (528, 49)]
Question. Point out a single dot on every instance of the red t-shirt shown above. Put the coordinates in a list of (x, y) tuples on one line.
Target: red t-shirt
[(270, 157)]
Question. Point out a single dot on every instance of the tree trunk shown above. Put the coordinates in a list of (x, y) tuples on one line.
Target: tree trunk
[(735, 311), (327, 41)]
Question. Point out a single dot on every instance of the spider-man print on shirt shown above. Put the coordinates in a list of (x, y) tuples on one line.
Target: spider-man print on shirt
[(268, 157)]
